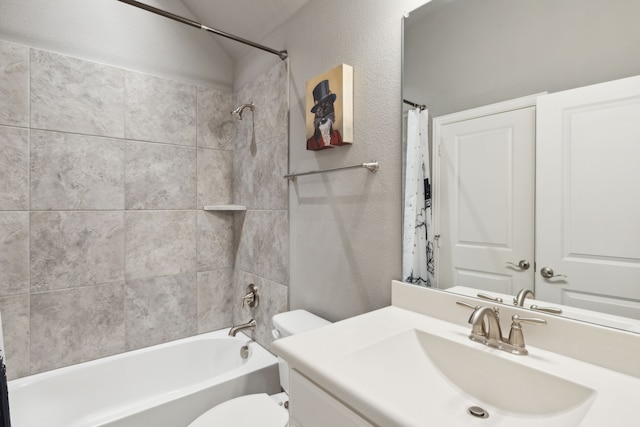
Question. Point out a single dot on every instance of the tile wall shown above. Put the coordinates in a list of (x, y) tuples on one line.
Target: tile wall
[(104, 246), (260, 163)]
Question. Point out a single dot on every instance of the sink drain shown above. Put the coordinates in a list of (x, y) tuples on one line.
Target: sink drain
[(478, 412)]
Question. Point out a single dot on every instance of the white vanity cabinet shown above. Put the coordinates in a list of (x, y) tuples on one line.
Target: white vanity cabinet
[(311, 406)]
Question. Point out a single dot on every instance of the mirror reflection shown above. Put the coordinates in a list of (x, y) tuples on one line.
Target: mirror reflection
[(529, 144)]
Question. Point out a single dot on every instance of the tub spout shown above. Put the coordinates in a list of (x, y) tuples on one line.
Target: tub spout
[(251, 324)]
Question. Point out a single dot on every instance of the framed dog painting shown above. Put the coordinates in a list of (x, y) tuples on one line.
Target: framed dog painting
[(330, 109)]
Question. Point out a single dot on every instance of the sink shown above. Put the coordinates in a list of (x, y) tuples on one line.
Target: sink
[(412, 365), (457, 374)]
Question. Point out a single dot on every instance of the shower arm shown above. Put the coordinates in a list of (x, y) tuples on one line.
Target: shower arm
[(237, 113), (281, 53)]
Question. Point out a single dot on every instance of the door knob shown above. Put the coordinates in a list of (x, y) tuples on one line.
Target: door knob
[(523, 264), (547, 273)]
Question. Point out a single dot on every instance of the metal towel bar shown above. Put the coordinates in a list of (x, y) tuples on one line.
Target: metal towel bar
[(371, 166)]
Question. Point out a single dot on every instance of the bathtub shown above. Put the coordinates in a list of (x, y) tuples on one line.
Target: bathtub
[(168, 385)]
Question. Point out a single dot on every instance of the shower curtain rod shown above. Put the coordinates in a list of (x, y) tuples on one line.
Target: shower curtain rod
[(281, 53), (413, 104)]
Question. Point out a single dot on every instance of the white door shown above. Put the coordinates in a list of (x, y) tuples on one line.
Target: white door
[(484, 178), (588, 197)]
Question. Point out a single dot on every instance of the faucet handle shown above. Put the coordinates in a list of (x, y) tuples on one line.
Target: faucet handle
[(251, 296), (533, 320), (466, 304), (516, 337), (552, 310), (489, 297), (474, 307)]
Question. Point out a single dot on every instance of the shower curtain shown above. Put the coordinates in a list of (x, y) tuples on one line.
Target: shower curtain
[(417, 257), (5, 419)]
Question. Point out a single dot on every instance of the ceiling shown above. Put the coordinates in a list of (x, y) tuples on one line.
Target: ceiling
[(249, 19)]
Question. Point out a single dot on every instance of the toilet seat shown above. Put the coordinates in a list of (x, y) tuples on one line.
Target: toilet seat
[(250, 410)]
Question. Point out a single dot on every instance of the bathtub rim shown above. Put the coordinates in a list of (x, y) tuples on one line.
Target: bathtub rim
[(220, 333), (260, 359)]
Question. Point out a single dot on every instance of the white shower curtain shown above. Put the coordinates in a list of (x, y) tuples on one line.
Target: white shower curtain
[(417, 257)]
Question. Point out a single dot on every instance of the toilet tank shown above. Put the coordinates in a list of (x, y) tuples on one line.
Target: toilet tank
[(291, 323)]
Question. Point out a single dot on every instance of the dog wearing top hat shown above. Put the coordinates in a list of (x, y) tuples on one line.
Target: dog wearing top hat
[(324, 135)]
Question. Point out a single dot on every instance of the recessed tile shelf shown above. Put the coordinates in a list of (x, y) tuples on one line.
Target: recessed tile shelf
[(225, 208)]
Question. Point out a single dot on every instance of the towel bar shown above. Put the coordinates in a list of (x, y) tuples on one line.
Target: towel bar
[(371, 166)]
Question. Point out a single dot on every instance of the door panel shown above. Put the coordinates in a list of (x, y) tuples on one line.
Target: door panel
[(486, 198), (588, 197), (490, 282), (482, 217)]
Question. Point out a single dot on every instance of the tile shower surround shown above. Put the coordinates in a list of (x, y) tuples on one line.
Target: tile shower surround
[(104, 247)]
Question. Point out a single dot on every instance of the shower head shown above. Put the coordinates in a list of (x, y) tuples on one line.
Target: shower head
[(237, 113)]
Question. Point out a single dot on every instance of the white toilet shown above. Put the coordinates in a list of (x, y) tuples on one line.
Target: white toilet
[(261, 409)]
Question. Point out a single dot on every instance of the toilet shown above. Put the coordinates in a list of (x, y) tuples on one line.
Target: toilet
[(261, 409)]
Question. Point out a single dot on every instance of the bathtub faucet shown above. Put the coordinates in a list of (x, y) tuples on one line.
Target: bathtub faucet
[(251, 324)]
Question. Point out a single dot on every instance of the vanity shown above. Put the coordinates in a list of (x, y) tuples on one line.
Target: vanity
[(413, 364), (518, 206)]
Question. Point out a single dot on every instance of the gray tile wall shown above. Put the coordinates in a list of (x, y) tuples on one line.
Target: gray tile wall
[(72, 95), (260, 162), (103, 244)]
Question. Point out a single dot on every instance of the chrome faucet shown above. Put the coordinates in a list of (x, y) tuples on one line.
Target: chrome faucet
[(519, 299), (489, 333), (251, 324), (519, 302)]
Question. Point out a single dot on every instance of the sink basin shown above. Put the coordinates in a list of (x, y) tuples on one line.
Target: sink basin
[(406, 365), (455, 375)]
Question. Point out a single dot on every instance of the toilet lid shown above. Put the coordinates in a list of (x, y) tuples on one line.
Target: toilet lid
[(243, 411)]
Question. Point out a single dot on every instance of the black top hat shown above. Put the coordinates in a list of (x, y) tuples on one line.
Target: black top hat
[(322, 93)]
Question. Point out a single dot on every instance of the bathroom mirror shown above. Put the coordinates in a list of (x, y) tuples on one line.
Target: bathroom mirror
[(463, 54)]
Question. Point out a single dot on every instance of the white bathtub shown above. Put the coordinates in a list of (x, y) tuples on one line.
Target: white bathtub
[(165, 385)]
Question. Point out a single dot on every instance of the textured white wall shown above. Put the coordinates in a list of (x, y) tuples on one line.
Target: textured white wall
[(345, 226), (114, 33)]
